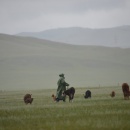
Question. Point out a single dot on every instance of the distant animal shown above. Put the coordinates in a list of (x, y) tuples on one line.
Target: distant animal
[(54, 97), (113, 94), (125, 89), (70, 92), (87, 94), (28, 99)]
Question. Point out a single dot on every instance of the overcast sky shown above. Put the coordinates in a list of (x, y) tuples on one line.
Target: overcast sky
[(38, 15)]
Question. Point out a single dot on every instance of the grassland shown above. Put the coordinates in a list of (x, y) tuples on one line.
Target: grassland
[(100, 112)]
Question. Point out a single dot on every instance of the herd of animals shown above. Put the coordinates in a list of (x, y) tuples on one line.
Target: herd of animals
[(71, 91)]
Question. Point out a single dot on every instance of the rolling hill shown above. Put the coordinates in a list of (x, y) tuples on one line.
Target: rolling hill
[(110, 37), (31, 63)]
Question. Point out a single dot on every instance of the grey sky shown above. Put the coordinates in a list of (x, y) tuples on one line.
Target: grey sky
[(38, 15)]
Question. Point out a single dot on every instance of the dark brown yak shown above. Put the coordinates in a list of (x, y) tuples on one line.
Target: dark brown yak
[(125, 89), (70, 92), (28, 99), (112, 94)]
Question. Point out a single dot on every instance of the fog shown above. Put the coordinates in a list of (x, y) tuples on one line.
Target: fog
[(38, 15)]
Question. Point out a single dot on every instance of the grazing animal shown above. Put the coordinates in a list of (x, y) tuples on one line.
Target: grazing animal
[(87, 94), (70, 92), (54, 97), (112, 94), (125, 89), (28, 99)]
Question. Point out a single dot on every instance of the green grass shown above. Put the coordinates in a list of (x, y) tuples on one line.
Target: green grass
[(99, 112)]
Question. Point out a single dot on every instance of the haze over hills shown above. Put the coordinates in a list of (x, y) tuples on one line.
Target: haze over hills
[(31, 63), (111, 37)]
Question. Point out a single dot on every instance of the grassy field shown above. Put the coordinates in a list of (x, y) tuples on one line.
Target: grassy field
[(101, 112)]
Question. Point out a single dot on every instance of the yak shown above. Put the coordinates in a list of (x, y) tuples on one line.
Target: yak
[(70, 92), (54, 97), (87, 94), (125, 89), (28, 99), (113, 94)]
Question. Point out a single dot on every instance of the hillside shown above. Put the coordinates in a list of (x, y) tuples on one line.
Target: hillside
[(30, 63), (110, 37)]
